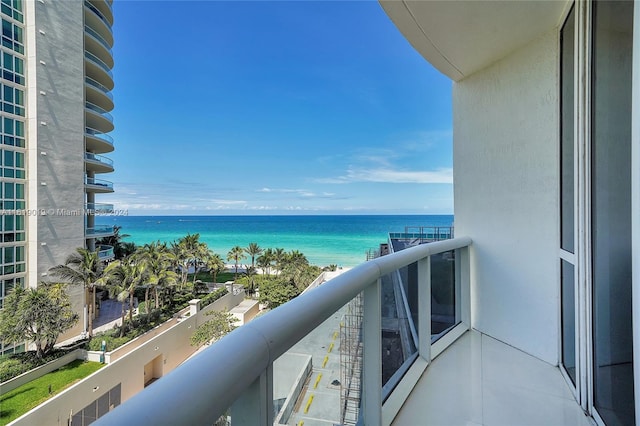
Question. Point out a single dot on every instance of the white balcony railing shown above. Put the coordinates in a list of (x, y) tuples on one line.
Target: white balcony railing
[(237, 371)]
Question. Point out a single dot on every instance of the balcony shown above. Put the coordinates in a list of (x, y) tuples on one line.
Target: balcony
[(98, 94), (245, 385), (97, 141), (105, 10), (105, 253), (98, 231), (96, 44), (98, 118), (98, 185), (98, 20), (98, 70), (97, 163), (99, 208)]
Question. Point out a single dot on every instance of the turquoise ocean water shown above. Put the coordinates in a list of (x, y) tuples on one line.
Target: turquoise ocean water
[(341, 240)]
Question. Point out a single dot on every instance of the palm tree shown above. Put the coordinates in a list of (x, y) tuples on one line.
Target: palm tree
[(122, 278), (82, 267), (294, 266), (236, 254), (250, 274), (253, 250), (158, 259), (279, 257), (191, 253), (215, 265), (265, 261)]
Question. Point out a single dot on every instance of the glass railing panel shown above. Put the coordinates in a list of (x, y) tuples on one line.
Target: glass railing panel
[(101, 87), (98, 13), (99, 182), (98, 158), (100, 229), (93, 58), (99, 208), (98, 134), (98, 37), (399, 314), (105, 252), (97, 109), (445, 292)]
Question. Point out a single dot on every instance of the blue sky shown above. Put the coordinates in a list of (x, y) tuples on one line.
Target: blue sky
[(275, 107)]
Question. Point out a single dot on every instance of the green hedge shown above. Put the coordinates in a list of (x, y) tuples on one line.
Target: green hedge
[(16, 364), (212, 297)]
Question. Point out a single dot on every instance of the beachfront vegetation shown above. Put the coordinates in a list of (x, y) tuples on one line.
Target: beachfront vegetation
[(121, 249), (37, 315), (236, 254), (219, 325), (164, 277), (15, 403), (82, 267)]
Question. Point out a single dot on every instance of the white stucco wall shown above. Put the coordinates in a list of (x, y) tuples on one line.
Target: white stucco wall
[(506, 179)]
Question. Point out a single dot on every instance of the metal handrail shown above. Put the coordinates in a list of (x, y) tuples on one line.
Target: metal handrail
[(214, 379), (98, 158)]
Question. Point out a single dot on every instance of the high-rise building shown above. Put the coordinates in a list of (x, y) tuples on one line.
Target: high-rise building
[(56, 82)]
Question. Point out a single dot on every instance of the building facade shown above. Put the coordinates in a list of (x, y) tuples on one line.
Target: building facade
[(56, 98)]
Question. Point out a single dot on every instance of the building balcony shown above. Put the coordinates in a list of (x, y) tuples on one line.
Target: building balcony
[(443, 372), (105, 253), (97, 141), (97, 185), (98, 70), (96, 19), (105, 9), (99, 208), (96, 44), (98, 231), (98, 94), (98, 118), (97, 163)]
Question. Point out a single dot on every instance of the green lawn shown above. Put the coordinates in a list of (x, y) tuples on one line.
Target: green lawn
[(22, 399), (206, 277)]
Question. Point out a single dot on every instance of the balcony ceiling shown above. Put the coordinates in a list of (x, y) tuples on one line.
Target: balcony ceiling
[(462, 37)]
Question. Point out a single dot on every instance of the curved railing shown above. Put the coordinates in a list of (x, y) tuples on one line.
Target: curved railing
[(99, 208), (98, 182), (93, 58), (101, 87), (98, 134), (95, 108), (239, 367), (98, 13), (105, 252), (93, 33), (98, 158), (99, 230)]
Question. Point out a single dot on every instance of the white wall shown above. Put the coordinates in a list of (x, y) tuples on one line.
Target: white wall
[(128, 371), (506, 182)]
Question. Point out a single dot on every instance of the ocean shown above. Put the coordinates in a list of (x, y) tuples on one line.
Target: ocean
[(342, 240)]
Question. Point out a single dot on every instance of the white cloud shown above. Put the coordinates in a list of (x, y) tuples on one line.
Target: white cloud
[(388, 175)]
